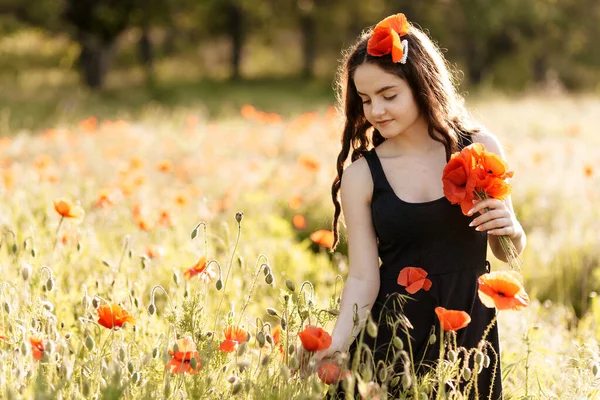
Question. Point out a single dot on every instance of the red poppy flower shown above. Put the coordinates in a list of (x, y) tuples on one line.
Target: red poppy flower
[(458, 179), (414, 279), (322, 237), (68, 209), (503, 290), (234, 336), (277, 338), (113, 316), (37, 347), (452, 320), (206, 274), (386, 37), (314, 338), (2, 337), (330, 373), (182, 358)]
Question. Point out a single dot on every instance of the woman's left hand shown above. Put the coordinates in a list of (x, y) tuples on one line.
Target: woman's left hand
[(497, 220)]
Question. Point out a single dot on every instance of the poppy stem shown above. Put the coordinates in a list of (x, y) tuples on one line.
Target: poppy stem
[(57, 231), (258, 269)]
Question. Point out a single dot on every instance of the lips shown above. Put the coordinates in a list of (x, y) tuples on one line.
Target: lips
[(383, 122)]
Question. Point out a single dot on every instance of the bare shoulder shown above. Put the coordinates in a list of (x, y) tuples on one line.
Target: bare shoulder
[(356, 180), (490, 141)]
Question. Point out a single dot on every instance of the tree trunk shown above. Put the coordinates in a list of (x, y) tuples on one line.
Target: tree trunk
[(307, 21), (236, 33), (147, 55), (95, 60)]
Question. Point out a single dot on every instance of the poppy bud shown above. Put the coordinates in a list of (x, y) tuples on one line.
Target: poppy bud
[(479, 357), (7, 307), (219, 284), (382, 374), (122, 354), (79, 247), (85, 388), (232, 379), (237, 386), (14, 248), (432, 339), (266, 270), (398, 343), (25, 271), (269, 339), (317, 386), (286, 298), (334, 311), (395, 381), (155, 353), (33, 252), (243, 365), (371, 329), (265, 361), (136, 377), (452, 357), (595, 370), (130, 367), (260, 338), (193, 363), (67, 335), (466, 373), (176, 278), (285, 373), (151, 309), (242, 349), (486, 361), (271, 312), (49, 284), (294, 363), (290, 285), (95, 302), (175, 348), (291, 349), (283, 323), (144, 261), (136, 303), (49, 347), (48, 305), (406, 381), (106, 263), (424, 396), (366, 372), (269, 279), (239, 216)]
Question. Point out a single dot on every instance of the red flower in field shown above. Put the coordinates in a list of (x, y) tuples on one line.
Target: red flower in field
[(196, 269), (452, 320), (492, 173), (183, 352), (314, 338), (277, 338), (299, 221), (234, 336), (309, 162), (37, 347), (414, 279), (164, 219), (67, 209), (295, 202), (503, 290), (164, 166), (330, 373), (588, 171), (113, 316), (2, 337), (322, 237), (108, 197), (154, 251)]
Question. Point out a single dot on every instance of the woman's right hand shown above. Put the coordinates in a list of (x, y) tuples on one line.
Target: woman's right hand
[(310, 364)]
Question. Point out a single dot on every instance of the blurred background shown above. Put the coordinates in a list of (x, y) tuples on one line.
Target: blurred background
[(115, 56)]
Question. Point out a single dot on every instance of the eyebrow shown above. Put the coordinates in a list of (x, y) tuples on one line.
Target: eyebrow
[(383, 89)]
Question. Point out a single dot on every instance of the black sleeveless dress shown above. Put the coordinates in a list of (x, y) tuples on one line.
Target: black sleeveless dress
[(436, 237)]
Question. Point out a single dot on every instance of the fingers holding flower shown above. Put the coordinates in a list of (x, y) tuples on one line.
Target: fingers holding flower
[(495, 219)]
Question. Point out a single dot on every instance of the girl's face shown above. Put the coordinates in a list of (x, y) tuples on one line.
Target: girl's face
[(388, 102)]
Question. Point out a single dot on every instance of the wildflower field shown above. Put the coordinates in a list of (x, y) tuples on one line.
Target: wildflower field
[(175, 256)]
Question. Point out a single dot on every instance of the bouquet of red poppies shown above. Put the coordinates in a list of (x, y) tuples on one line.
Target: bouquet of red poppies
[(475, 173)]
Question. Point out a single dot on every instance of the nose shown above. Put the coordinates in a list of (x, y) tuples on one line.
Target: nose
[(377, 108)]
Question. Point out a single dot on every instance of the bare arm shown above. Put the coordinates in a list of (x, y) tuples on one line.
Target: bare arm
[(499, 221), (362, 285)]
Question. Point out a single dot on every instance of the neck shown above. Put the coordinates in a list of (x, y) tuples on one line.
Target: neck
[(415, 140)]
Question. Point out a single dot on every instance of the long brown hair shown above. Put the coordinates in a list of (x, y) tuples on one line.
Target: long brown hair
[(433, 86)]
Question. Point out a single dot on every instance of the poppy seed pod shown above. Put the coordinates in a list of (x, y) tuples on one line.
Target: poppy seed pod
[(219, 284), (260, 338), (237, 386), (406, 381), (466, 373), (486, 361), (136, 377), (479, 357), (239, 216), (193, 363), (95, 302), (49, 284), (372, 329), (452, 357), (398, 343), (151, 309), (26, 271)]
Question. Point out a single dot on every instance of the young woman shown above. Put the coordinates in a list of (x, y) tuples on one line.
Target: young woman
[(403, 121)]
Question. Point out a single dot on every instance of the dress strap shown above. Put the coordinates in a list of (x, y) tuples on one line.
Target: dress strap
[(380, 181)]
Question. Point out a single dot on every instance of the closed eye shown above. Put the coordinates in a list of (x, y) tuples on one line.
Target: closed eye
[(389, 97)]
